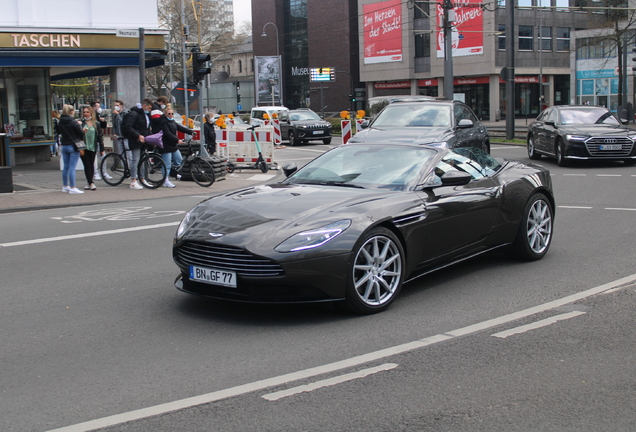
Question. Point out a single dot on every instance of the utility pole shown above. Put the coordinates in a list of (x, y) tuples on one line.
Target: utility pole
[(142, 65), (510, 70), (449, 16)]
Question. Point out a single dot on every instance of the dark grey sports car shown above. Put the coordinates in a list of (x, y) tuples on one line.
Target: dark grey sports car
[(580, 133), (358, 221)]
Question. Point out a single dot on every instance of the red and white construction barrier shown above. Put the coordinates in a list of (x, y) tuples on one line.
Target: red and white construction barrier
[(278, 140), (359, 124), (239, 147), (346, 130)]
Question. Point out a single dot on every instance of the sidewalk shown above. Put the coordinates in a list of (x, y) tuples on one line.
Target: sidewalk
[(39, 186)]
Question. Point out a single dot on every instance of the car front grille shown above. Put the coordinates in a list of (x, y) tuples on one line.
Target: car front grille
[(594, 144), (315, 127), (226, 258)]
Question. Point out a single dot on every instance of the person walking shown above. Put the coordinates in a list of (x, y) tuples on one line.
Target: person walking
[(69, 131), (209, 135), (170, 152), (94, 138), (136, 127)]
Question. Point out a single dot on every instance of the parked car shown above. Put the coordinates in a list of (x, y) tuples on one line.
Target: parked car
[(376, 103), (302, 125), (257, 115), (357, 222), (581, 132), (441, 123)]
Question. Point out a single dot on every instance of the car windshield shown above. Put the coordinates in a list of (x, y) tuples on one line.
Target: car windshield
[(303, 116), (588, 116), (374, 167), (412, 115)]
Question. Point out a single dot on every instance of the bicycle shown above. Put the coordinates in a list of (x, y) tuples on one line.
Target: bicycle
[(150, 165), (201, 171)]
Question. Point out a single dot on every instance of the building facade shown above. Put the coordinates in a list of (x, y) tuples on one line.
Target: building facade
[(40, 42), (307, 34)]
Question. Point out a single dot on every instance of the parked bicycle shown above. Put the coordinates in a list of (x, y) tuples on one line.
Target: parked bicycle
[(201, 171), (151, 168)]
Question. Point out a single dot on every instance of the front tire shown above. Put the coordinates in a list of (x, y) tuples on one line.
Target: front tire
[(532, 150), (292, 138), (202, 172), (629, 162), (326, 141), (535, 231), (153, 169), (559, 151), (113, 165), (376, 273)]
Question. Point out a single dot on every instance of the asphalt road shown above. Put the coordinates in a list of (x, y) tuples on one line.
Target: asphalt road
[(93, 331)]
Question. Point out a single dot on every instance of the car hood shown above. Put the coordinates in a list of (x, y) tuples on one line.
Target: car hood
[(598, 130), (311, 123), (411, 135), (261, 217)]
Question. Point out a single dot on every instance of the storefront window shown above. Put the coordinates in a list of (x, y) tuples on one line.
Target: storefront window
[(28, 105)]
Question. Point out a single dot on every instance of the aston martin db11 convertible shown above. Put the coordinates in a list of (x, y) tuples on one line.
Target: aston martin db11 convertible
[(360, 220)]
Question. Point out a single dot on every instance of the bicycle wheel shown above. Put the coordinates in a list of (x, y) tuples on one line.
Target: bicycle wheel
[(153, 170), (202, 172), (113, 165)]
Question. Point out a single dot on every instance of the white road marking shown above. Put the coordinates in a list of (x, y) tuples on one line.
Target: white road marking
[(328, 382), (618, 208), (536, 325), (335, 366), (609, 175), (575, 207), (89, 234), (574, 175), (261, 177)]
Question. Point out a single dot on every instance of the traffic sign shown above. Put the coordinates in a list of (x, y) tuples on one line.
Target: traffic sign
[(239, 107)]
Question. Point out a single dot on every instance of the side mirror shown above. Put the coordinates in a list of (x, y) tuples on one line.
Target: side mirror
[(624, 122), (456, 178), (290, 168), (465, 124), (550, 123), (364, 124)]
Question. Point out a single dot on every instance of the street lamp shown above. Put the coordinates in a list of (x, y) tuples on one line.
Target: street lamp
[(264, 34)]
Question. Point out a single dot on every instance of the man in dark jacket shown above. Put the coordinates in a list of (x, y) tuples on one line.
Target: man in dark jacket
[(136, 127)]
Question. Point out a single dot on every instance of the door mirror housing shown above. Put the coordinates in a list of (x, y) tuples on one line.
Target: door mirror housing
[(290, 168)]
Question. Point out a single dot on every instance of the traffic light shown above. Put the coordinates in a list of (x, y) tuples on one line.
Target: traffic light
[(634, 59), (238, 85), (199, 67), (352, 98)]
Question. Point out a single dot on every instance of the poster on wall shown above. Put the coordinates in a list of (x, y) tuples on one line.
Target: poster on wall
[(268, 80), (383, 32), (28, 102), (467, 36)]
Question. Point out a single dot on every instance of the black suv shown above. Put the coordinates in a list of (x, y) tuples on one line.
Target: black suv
[(302, 125)]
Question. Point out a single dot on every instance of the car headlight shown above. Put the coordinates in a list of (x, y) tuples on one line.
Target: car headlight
[(575, 138), (302, 127), (185, 224), (632, 137), (313, 238)]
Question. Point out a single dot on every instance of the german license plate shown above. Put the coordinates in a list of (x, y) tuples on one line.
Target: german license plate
[(319, 132), (610, 147), (213, 276)]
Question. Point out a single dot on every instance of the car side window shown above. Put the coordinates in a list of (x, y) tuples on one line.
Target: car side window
[(459, 113), (473, 161), (543, 115), (553, 116), (468, 114), (283, 116)]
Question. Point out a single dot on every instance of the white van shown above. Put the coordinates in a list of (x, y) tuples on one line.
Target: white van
[(257, 113)]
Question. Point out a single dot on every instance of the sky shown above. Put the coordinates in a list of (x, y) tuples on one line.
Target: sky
[(242, 12)]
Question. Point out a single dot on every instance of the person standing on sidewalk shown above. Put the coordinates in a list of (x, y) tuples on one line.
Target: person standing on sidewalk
[(94, 138), (118, 118), (136, 128), (170, 152), (97, 108), (69, 131), (209, 135)]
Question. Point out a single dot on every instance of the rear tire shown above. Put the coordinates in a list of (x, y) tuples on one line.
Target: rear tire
[(535, 230), (113, 165), (202, 172), (153, 169), (532, 150)]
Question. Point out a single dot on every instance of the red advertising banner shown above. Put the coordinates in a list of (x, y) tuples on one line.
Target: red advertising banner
[(383, 32), (393, 85), (467, 28)]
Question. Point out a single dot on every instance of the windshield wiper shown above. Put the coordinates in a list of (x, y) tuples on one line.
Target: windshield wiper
[(333, 183)]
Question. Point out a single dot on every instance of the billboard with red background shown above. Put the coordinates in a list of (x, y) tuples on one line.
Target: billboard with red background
[(468, 27), (383, 32)]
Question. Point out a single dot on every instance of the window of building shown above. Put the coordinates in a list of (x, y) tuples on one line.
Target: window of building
[(525, 38), (546, 39), (423, 45), (501, 4), (563, 39), (563, 5), (544, 3), (421, 9), (228, 70), (252, 64), (240, 66), (524, 3), (501, 38)]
